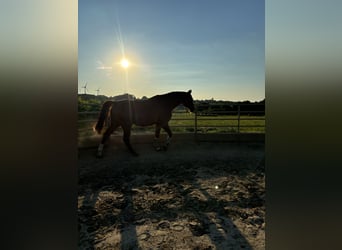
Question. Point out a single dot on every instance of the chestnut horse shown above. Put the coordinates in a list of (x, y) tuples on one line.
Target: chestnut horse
[(155, 110)]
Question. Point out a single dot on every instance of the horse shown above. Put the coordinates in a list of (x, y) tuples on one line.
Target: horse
[(155, 110)]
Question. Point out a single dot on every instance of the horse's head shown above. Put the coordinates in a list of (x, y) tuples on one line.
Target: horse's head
[(188, 101)]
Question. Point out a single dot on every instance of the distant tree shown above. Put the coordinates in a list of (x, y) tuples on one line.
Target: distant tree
[(89, 103), (125, 96)]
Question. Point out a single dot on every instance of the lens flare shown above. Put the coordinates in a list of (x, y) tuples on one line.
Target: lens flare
[(124, 63)]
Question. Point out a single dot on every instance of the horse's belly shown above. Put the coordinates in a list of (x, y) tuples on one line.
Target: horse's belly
[(141, 122)]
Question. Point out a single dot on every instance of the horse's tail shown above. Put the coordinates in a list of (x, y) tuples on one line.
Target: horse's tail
[(103, 115)]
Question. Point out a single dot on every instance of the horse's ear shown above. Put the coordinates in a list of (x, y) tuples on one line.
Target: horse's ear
[(189, 91)]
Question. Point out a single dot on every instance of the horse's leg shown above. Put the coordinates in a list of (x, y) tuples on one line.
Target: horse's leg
[(105, 136), (169, 135), (156, 137), (126, 138)]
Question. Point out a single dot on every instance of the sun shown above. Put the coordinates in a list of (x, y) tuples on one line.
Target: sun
[(124, 63)]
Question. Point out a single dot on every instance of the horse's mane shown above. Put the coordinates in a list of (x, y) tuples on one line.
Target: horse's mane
[(170, 94)]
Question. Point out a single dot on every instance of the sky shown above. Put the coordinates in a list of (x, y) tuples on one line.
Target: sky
[(215, 48)]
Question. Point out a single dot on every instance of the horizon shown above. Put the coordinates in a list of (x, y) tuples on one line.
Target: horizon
[(217, 50), (140, 97)]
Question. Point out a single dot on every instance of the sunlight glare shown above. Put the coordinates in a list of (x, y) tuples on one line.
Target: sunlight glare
[(124, 63)]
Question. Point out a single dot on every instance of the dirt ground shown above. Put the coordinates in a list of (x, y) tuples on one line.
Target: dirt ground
[(192, 196)]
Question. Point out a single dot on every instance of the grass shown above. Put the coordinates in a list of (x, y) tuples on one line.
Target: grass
[(185, 122)]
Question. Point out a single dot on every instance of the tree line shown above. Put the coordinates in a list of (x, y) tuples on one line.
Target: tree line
[(93, 103)]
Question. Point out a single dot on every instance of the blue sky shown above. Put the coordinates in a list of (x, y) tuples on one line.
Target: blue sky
[(215, 48)]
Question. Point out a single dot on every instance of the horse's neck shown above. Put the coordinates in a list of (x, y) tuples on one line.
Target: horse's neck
[(173, 103)]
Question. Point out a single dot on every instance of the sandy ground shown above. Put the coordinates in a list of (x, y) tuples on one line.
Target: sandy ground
[(193, 196)]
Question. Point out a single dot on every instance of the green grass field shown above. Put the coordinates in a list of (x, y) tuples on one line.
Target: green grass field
[(185, 122)]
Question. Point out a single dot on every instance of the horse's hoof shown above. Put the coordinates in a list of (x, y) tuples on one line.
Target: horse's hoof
[(99, 156), (158, 148)]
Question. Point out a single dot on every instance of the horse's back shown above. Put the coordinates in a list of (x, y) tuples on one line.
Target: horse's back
[(141, 113)]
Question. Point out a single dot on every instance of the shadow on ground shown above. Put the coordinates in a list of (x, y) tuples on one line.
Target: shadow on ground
[(194, 196)]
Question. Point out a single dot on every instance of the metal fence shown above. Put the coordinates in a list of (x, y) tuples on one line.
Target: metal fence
[(214, 119), (239, 118)]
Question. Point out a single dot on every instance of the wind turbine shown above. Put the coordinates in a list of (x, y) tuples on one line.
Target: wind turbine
[(97, 91), (85, 88)]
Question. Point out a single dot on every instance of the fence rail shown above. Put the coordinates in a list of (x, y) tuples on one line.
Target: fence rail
[(238, 119)]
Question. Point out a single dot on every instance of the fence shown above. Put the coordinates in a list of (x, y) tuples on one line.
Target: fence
[(213, 119)]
